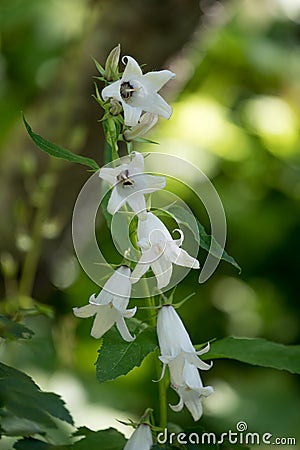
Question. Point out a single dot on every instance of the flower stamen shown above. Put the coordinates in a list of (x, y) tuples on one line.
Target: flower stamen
[(126, 90), (124, 179)]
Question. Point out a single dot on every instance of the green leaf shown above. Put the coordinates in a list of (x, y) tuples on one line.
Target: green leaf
[(36, 444), (184, 217), (13, 330), (109, 439), (58, 152), (215, 250), (118, 357), (258, 352), (21, 398)]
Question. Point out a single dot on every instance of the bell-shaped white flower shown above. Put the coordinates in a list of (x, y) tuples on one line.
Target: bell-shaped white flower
[(179, 354), (175, 344), (130, 184), (190, 390), (109, 306), (141, 439), (138, 92), (159, 251)]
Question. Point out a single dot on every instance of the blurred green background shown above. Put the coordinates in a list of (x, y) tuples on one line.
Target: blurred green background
[(236, 101)]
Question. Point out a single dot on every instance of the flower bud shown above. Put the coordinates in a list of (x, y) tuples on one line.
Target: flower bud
[(115, 107), (111, 71), (146, 122), (141, 439)]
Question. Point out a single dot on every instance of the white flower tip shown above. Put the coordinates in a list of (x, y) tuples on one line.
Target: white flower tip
[(92, 299), (196, 265), (169, 113), (96, 335), (130, 312), (75, 311), (207, 391), (130, 339), (161, 283)]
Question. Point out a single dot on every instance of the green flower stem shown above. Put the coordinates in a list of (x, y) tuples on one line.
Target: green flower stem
[(111, 150), (129, 147), (162, 385)]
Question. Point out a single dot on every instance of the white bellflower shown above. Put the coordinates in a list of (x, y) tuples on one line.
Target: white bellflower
[(130, 184), (160, 251), (137, 92), (110, 305)]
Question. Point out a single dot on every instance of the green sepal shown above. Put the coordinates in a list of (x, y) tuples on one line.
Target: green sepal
[(99, 67)]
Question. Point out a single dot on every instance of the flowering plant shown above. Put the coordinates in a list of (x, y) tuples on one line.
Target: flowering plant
[(127, 186), (132, 105)]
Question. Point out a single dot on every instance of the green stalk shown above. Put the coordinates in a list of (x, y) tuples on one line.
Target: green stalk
[(162, 386), (111, 149)]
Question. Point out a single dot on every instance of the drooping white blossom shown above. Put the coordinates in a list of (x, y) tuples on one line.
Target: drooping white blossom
[(175, 343), (141, 439), (109, 306), (159, 251), (179, 354), (137, 92), (130, 184), (190, 390)]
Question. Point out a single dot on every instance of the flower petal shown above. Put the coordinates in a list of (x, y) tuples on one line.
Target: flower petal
[(154, 81), (192, 358), (141, 268), (132, 69), (112, 91), (119, 284), (149, 183), (156, 104), (110, 174), (85, 311), (179, 405), (117, 199), (150, 224), (130, 312), (104, 320), (181, 239), (204, 350), (162, 269), (131, 114), (117, 290), (137, 202), (123, 330), (103, 298), (137, 164), (194, 405), (180, 257), (141, 439), (174, 340)]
